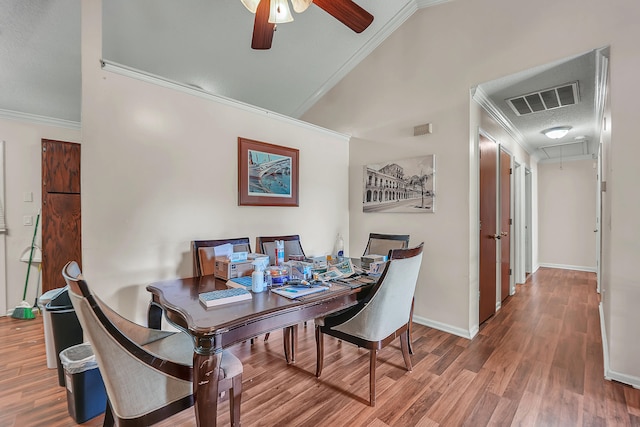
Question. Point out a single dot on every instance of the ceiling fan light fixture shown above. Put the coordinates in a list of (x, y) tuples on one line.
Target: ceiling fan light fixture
[(300, 6), (280, 12), (251, 5), (556, 132)]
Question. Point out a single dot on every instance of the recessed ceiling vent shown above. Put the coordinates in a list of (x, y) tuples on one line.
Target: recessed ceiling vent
[(548, 99)]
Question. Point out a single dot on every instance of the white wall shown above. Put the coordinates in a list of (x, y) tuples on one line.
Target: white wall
[(567, 214), (23, 155), (423, 73), (159, 169)]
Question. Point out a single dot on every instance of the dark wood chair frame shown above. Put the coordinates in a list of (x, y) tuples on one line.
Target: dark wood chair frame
[(290, 334), (154, 313), (372, 346), (399, 237), (261, 240), (402, 238), (197, 244), (232, 386)]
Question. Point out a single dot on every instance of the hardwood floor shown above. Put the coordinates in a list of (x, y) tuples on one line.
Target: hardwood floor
[(537, 362)]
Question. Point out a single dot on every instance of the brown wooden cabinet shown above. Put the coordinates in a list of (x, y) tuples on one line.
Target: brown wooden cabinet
[(61, 210)]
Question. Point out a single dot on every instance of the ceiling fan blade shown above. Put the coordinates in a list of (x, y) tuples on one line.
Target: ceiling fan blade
[(347, 12), (262, 28)]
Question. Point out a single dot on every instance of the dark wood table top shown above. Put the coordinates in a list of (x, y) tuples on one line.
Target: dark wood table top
[(180, 299)]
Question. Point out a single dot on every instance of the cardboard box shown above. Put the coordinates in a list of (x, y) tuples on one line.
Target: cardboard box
[(227, 269)]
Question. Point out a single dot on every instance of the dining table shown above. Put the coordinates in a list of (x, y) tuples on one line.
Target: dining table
[(216, 328)]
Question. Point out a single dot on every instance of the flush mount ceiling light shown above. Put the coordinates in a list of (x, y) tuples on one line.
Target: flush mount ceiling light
[(556, 132)]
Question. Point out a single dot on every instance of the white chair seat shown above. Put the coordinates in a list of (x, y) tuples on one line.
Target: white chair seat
[(179, 348)]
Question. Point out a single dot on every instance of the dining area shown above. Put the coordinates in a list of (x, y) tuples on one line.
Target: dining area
[(198, 366), (454, 381)]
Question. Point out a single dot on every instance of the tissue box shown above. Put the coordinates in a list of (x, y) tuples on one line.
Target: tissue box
[(376, 268), (238, 256), (227, 269)]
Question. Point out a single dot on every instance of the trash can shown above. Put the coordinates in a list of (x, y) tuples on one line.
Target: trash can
[(49, 345), (65, 325), (86, 396)]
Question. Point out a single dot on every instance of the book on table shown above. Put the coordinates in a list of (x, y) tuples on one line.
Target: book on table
[(225, 296), (243, 282), (293, 292)]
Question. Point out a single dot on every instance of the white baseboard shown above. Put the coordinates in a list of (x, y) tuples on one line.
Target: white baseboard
[(608, 373), (445, 327), (569, 267)]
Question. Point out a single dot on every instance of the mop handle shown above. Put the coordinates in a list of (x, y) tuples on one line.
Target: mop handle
[(33, 242)]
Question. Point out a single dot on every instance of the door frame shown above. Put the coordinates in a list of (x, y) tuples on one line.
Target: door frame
[(512, 242), (528, 221), (495, 293)]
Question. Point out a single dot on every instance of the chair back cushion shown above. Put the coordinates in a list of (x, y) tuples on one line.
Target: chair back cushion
[(291, 247), (389, 308), (134, 389), (207, 260), (240, 244), (381, 244)]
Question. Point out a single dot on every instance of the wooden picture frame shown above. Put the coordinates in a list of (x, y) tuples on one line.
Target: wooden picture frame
[(267, 174)]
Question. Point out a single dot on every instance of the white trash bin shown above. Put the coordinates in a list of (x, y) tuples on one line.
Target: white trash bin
[(52, 357)]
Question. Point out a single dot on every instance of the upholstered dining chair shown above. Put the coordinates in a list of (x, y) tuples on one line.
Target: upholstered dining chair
[(147, 373), (267, 245), (381, 317), (203, 252), (381, 244), (292, 246), (205, 247)]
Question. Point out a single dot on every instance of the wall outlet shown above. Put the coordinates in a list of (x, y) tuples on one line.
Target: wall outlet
[(27, 220)]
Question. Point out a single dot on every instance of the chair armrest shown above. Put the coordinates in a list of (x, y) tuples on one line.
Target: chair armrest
[(139, 334)]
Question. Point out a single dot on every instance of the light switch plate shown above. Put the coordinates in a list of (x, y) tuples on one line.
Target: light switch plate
[(27, 197), (27, 220)]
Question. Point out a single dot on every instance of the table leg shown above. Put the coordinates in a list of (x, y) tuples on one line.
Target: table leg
[(294, 342), (154, 316), (206, 369), (286, 340), (290, 340)]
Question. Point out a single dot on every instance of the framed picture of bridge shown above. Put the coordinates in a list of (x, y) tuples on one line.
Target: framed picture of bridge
[(267, 174)]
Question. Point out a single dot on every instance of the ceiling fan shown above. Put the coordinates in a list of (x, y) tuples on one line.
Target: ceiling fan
[(271, 12)]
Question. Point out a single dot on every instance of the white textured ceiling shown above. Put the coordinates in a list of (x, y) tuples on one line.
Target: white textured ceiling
[(207, 44), (40, 58), (583, 138)]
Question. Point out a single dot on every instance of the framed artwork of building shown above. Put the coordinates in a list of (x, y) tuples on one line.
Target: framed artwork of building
[(400, 186)]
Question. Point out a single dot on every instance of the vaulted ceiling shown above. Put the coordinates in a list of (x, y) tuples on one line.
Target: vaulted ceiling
[(206, 45)]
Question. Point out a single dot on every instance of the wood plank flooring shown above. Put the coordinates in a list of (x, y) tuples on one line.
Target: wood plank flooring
[(537, 362)]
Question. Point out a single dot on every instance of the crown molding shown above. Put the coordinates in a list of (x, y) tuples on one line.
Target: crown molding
[(190, 90), (375, 41), (480, 96), (39, 120), (421, 4)]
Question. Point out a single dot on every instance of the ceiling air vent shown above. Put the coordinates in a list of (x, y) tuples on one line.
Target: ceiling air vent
[(548, 99)]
